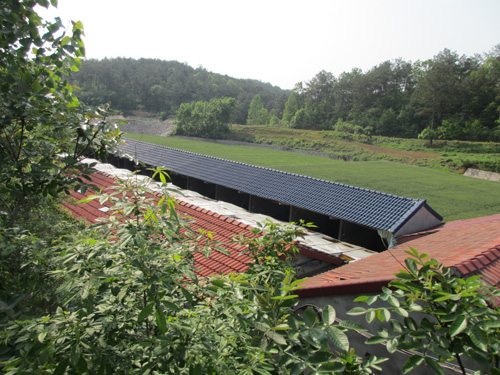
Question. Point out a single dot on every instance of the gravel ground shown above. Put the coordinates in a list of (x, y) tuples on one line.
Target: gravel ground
[(142, 125)]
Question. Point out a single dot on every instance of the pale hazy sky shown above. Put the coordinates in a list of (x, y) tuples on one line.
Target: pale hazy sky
[(283, 41)]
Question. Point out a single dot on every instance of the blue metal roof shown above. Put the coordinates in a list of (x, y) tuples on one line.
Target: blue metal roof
[(358, 205)]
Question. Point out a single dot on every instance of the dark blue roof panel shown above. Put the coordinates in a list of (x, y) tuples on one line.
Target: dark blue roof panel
[(358, 205)]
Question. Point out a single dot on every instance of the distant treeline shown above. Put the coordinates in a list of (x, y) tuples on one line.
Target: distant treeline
[(160, 87), (447, 97)]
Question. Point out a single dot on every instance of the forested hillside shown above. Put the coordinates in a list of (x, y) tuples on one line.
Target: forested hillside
[(446, 97), (160, 87)]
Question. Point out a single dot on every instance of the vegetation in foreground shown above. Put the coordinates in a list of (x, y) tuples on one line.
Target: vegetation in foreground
[(122, 297), (453, 196)]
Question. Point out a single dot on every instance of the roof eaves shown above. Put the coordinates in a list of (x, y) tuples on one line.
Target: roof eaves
[(479, 262), (372, 285)]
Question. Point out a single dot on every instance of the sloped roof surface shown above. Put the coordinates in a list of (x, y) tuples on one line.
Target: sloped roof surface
[(223, 229), (471, 246), (362, 206)]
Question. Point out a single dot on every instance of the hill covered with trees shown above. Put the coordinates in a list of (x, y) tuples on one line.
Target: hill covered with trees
[(447, 97), (160, 87)]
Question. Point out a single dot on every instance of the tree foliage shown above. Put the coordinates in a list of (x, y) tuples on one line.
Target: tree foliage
[(43, 127), (205, 119), (159, 86), (257, 114), (399, 98), (457, 317), (127, 300)]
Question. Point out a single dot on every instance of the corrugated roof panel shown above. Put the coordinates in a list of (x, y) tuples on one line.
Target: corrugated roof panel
[(362, 206)]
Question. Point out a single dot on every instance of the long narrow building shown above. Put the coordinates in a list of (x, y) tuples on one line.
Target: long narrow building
[(363, 217)]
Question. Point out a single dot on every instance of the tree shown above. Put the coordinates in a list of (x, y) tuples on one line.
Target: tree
[(440, 89), (320, 100), (257, 114), (205, 119), (129, 301), (44, 129), (458, 317), (292, 106)]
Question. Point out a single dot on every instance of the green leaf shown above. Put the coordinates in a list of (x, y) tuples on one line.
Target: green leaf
[(361, 299), (413, 362), (329, 315), (310, 317), (392, 345), (396, 326), (338, 338), (357, 311), (161, 322), (386, 314), (42, 336), (352, 325), (434, 365), (187, 295), (196, 370), (332, 367), (411, 324), (61, 367), (412, 266), (401, 312), (375, 340), (458, 325), (370, 316), (371, 300), (297, 369), (319, 357), (276, 337), (478, 337), (145, 312), (171, 305)]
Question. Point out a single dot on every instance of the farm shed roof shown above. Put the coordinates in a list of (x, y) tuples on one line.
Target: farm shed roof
[(223, 229), (471, 246), (365, 207), (224, 220)]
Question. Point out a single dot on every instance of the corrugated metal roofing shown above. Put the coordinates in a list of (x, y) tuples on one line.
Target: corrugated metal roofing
[(366, 207)]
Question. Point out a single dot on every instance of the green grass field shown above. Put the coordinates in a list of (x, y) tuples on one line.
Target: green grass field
[(452, 195)]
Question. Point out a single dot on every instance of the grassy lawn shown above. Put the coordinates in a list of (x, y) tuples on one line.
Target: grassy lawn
[(452, 195)]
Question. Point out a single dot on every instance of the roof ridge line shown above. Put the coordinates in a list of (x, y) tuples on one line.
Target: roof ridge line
[(186, 204)]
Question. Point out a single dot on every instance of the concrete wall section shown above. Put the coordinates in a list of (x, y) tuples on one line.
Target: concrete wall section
[(394, 366), (422, 220)]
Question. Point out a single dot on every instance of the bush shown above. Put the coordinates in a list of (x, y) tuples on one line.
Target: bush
[(458, 317), (129, 301), (205, 119)]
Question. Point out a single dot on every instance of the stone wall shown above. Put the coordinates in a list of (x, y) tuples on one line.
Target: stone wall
[(484, 175)]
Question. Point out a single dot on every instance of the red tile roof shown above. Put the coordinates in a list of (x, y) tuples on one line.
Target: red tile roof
[(471, 246), (223, 228)]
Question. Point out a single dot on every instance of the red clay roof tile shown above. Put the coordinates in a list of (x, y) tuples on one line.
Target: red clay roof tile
[(471, 246), (225, 228)]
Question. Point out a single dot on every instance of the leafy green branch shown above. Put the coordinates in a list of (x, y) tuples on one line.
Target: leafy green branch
[(459, 317)]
